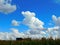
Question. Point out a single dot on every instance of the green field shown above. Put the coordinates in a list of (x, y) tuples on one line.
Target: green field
[(43, 41)]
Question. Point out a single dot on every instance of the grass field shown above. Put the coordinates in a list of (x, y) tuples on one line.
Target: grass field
[(43, 41)]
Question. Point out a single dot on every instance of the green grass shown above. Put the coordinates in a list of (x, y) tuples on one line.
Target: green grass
[(43, 41)]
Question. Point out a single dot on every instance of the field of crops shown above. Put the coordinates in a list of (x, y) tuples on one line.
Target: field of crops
[(43, 41)]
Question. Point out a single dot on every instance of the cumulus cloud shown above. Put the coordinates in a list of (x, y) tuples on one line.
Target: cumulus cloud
[(28, 14), (16, 34), (55, 31), (6, 7), (31, 21), (56, 20), (15, 23), (36, 28), (11, 35), (35, 25), (34, 34)]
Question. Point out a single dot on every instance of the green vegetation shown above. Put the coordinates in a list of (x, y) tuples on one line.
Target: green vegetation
[(43, 41)]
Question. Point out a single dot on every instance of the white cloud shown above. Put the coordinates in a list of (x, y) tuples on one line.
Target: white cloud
[(53, 28), (56, 20), (35, 25), (54, 31), (57, 23), (34, 34), (16, 33), (11, 35), (15, 23), (28, 14), (6, 7), (36, 29), (31, 21)]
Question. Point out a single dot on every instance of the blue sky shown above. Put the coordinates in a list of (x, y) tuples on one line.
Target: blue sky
[(44, 10)]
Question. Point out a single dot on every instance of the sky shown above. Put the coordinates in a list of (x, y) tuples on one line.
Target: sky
[(29, 17)]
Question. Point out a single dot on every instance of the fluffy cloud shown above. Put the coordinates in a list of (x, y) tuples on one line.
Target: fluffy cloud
[(11, 35), (31, 21), (35, 25), (6, 7), (34, 34), (54, 31), (16, 34), (36, 29), (15, 23), (56, 20), (28, 14)]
